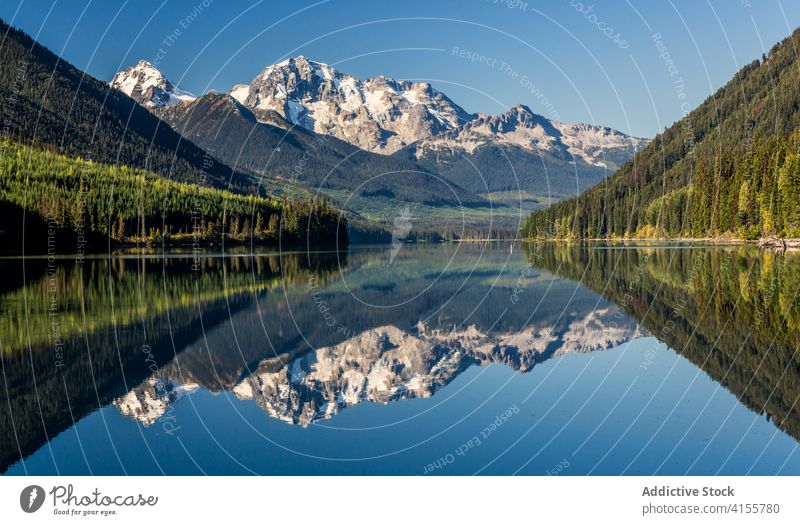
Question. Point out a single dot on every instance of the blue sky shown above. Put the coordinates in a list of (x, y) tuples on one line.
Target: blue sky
[(596, 61)]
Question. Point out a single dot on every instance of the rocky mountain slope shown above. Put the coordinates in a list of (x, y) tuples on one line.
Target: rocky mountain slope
[(378, 114), (520, 127), (384, 115), (520, 150)]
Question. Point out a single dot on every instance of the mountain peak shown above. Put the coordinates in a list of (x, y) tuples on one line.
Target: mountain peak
[(298, 61), (146, 84), (521, 108), (144, 64), (379, 114)]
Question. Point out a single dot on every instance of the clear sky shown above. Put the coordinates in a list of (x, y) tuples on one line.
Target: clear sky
[(596, 61)]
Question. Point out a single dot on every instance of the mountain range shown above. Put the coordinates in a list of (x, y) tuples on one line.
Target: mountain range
[(384, 115), (381, 137)]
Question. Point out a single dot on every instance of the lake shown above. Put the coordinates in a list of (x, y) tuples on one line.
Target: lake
[(544, 359)]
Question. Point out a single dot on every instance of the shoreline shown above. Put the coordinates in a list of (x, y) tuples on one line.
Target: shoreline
[(764, 242), (777, 243)]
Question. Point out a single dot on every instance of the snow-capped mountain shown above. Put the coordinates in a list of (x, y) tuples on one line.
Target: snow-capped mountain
[(377, 114), (384, 115), (148, 86), (520, 127)]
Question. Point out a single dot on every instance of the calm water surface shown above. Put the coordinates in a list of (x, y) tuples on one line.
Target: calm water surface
[(422, 360)]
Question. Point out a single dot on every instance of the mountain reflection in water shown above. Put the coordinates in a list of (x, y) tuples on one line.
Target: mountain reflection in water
[(305, 336)]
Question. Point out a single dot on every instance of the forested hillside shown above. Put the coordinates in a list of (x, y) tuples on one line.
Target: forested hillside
[(128, 204), (730, 167), (48, 103)]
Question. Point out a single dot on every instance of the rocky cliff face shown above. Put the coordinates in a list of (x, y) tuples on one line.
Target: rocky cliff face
[(521, 128)]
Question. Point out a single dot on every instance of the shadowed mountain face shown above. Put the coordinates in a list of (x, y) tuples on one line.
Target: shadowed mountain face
[(266, 145), (733, 312)]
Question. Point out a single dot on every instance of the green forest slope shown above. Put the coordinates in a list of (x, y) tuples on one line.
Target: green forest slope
[(63, 194), (730, 167), (50, 104)]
